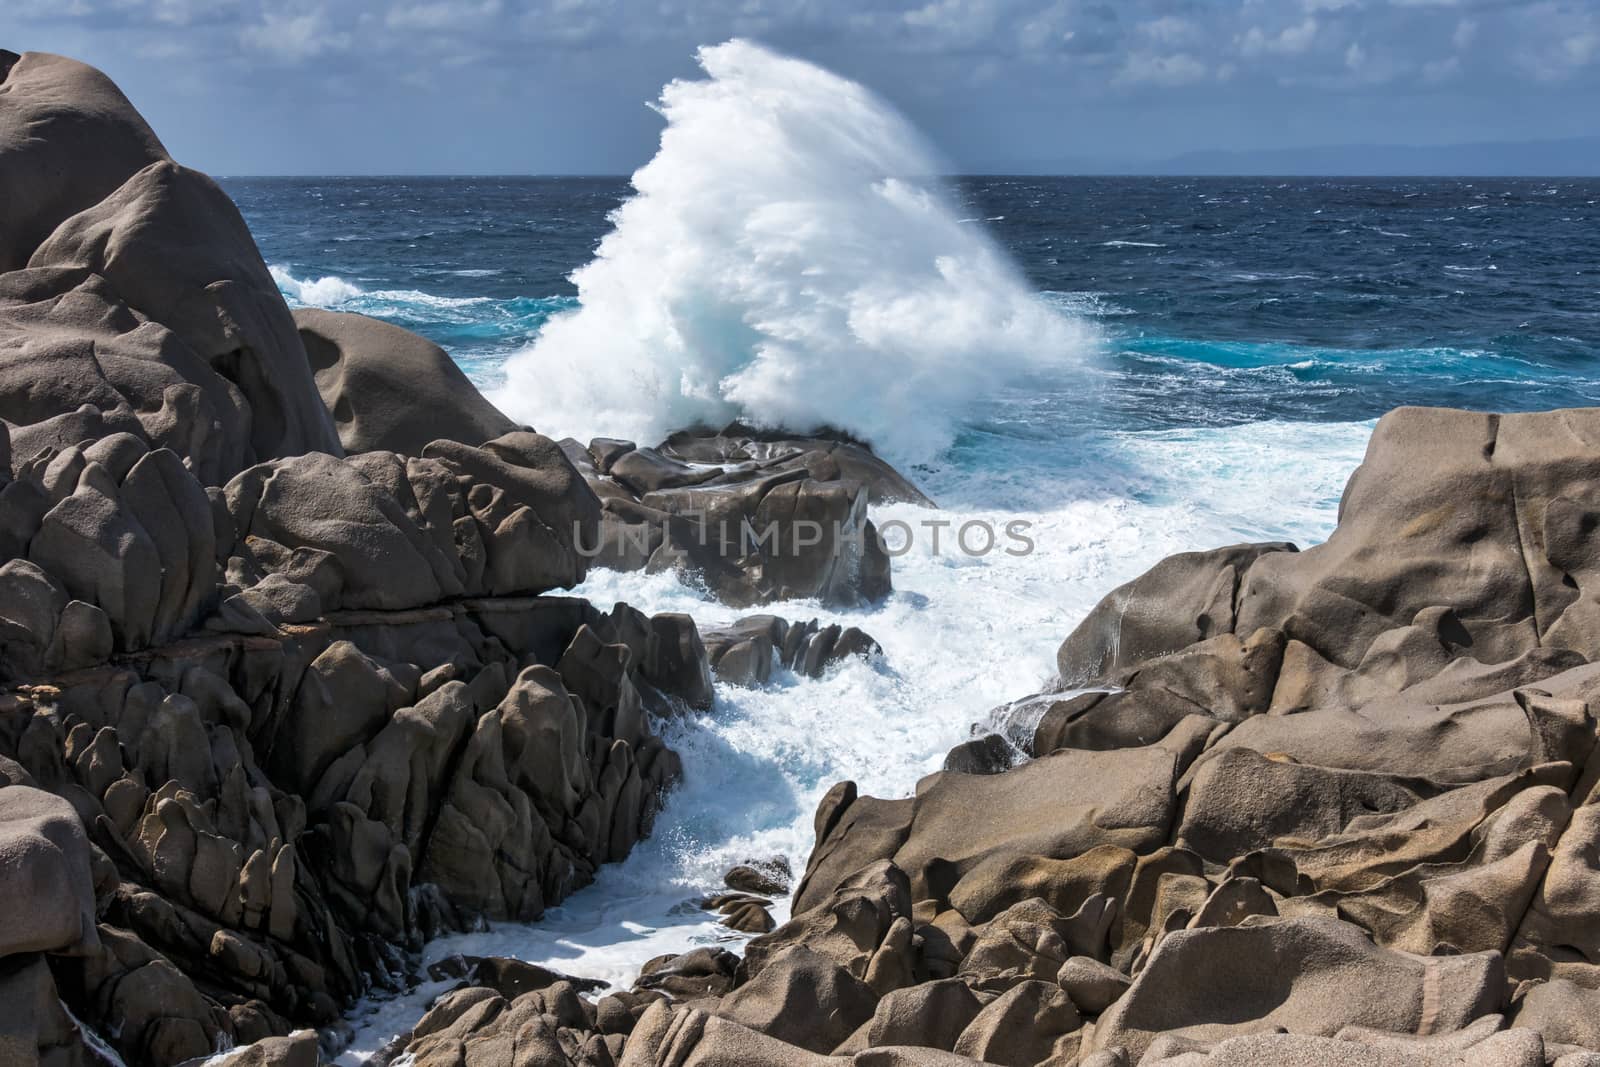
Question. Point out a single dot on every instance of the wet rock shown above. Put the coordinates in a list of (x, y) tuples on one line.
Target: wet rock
[(742, 912), (747, 652), (826, 456), (988, 754), (509, 977), (701, 972), (769, 877), (753, 521)]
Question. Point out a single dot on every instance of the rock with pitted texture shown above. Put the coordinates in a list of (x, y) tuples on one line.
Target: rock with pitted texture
[(172, 245), (753, 521), (1332, 806)]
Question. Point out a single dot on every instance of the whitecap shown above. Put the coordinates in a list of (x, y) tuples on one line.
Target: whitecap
[(325, 292), (816, 277)]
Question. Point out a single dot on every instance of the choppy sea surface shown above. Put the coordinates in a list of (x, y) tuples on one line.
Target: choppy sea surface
[(1237, 339)]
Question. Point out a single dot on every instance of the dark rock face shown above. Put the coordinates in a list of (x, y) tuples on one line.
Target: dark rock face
[(1334, 806), (271, 817), (747, 652), (826, 457), (270, 717), (753, 520), (375, 379)]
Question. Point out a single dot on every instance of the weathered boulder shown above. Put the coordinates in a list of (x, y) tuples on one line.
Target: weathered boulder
[(377, 379), (45, 876), (173, 246), (78, 364), (792, 525), (386, 532), (1180, 601), (1058, 806), (827, 456), (69, 138), (1309, 976)]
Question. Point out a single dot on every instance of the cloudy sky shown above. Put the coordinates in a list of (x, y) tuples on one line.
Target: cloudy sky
[(560, 86)]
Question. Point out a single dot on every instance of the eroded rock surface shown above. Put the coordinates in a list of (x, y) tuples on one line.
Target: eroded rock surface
[(270, 716), (1332, 806), (747, 652), (753, 519), (377, 379)]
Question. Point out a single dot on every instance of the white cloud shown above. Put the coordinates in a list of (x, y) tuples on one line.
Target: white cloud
[(1170, 29), (1441, 70), (293, 38), (442, 14), (1290, 41), (1564, 43), (1146, 68)]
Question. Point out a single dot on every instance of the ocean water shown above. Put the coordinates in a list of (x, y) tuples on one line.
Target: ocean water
[(1130, 366)]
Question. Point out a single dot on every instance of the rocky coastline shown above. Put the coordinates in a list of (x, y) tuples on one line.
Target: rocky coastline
[(289, 686)]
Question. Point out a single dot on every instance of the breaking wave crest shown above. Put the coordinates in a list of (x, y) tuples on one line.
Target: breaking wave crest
[(786, 259)]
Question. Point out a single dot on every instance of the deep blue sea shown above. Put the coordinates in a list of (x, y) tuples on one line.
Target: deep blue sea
[(1225, 345), (1223, 299)]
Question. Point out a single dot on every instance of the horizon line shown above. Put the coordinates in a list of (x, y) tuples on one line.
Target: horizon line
[(596, 176)]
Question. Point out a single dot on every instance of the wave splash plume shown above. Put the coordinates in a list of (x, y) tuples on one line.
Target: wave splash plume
[(786, 259)]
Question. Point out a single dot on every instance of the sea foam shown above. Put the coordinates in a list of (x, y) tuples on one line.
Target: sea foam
[(786, 258), (961, 635)]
